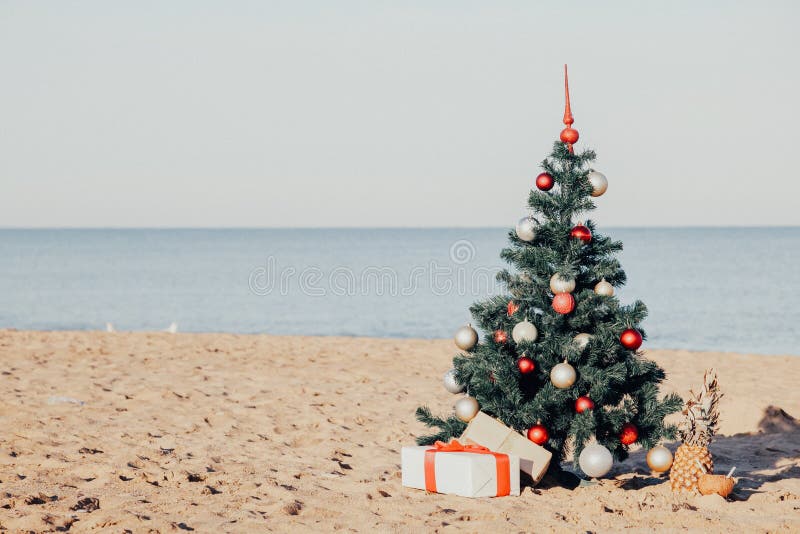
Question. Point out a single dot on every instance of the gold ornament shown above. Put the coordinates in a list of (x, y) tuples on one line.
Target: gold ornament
[(604, 289), (524, 331), (599, 183), (563, 375), (466, 337), (466, 408), (659, 458), (562, 284)]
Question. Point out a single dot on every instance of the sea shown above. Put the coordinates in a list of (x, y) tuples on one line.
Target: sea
[(721, 289)]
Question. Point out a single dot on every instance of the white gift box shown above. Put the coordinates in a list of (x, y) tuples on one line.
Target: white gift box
[(467, 474)]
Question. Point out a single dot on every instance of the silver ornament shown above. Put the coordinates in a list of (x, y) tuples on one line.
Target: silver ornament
[(450, 382), (524, 331), (466, 408), (466, 337), (595, 460), (599, 183), (604, 289), (562, 284), (563, 375), (659, 458), (526, 229), (581, 340)]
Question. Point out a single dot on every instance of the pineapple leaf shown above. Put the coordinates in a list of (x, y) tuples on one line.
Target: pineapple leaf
[(701, 413)]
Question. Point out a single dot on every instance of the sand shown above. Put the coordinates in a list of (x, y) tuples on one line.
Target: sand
[(227, 433)]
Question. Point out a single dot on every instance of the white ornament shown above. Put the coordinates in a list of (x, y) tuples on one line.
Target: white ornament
[(595, 460), (466, 408), (526, 229), (562, 284), (524, 331), (450, 382), (599, 183), (563, 375), (604, 289), (466, 337), (581, 340)]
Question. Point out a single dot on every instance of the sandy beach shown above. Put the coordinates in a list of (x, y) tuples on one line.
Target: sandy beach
[(154, 432)]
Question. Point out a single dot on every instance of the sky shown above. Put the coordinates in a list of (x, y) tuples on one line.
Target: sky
[(317, 114)]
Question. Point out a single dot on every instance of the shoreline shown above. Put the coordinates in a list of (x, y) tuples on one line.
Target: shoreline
[(343, 337), (240, 432)]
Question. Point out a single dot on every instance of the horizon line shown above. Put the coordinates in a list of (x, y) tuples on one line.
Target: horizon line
[(433, 227)]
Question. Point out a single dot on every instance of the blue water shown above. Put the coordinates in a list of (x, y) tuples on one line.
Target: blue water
[(730, 289)]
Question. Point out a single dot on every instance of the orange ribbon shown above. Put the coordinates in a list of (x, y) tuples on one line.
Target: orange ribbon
[(503, 469)]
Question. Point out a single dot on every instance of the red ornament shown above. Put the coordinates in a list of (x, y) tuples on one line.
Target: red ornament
[(583, 403), (563, 303), (631, 339), (525, 365), (500, 336), (512, 308), (581, 232), (629, 434), (544, 182), (569, 135), (538, 434)]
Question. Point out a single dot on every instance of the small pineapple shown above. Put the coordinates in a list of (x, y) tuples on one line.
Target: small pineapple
[(692, 458)]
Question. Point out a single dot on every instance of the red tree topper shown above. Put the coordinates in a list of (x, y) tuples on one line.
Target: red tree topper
[(569, 135)]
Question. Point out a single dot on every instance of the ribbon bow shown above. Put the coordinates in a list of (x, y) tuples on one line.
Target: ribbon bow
[(501, 462), (456, 446)]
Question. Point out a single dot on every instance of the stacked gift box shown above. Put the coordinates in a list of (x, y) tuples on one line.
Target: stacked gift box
[(484, 462)]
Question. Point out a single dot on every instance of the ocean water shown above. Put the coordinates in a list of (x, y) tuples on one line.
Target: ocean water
[(728, 289)]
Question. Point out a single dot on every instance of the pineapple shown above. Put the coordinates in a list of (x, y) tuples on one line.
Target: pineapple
[(692, 458)]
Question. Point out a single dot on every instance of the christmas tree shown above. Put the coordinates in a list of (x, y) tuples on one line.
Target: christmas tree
[(560, 360)]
